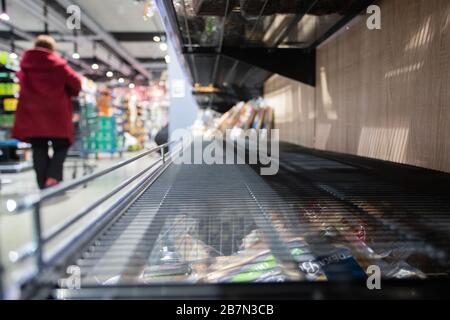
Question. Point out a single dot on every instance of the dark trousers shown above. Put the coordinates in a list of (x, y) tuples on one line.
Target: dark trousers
[(44, 166)]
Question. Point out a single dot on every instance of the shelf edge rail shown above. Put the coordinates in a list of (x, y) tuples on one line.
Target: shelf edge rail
[(35, 249)]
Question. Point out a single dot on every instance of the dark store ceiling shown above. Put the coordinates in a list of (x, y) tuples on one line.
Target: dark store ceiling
[(236, 45)]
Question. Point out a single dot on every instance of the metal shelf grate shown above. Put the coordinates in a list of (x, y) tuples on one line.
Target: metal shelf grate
[(318, 219), (193, 212)]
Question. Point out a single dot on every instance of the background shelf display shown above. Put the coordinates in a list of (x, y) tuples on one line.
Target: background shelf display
[(99, 133), (15, 156), (141, 113)]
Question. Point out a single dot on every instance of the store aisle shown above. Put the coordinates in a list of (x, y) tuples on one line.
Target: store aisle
[(24, 182)]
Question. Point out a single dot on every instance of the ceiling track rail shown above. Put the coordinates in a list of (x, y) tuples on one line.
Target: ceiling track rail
[(109, 40), (43, 12), (30, 37)]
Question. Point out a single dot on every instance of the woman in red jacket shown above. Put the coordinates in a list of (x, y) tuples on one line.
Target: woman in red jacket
[(44, 114)]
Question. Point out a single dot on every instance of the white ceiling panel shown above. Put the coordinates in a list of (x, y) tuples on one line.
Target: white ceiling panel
[(24, 18), (86, 51), (120, 15), (112, 15), (144, 49)]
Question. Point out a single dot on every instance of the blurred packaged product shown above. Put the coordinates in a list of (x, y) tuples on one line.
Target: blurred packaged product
[(10, 104), (251, 115), (104, 103), (131, 143), (9, 61), (352, 235), (166, 273), (7, 120), (15, 155)]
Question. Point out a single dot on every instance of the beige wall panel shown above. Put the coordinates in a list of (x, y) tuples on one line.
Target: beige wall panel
[(383, 94), (294, 105)]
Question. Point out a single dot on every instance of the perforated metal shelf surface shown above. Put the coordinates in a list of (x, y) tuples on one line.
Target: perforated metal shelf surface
[(316, 220)]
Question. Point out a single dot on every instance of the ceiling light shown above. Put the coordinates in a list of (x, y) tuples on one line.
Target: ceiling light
[(4, 16), (131, 86), (156, 39), (95, 66), (149, 9), (167, 58), (121, 80), (109, 74), (76, 56), (13, 55), (163, 46), (11, 205)]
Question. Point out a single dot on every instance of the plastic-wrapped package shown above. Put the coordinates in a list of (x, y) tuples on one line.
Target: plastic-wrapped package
[(180, 234), (307, 261), (335, 254), (173, 272), (178, 254), (191, 249), (247, 266), (269, 119), (259, 118), (248, 116), (256, 263), (402, 270), (254, 238), (339, 264), (394, 264), (353, 236)]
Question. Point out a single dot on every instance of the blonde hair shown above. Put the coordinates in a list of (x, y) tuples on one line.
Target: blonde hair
[(46, 42)]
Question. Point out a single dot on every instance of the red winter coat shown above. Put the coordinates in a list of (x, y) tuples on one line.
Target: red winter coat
[(47, 84)]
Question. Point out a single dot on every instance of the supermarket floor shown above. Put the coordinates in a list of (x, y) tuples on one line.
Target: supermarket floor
[(16, 230), (24, 182)]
